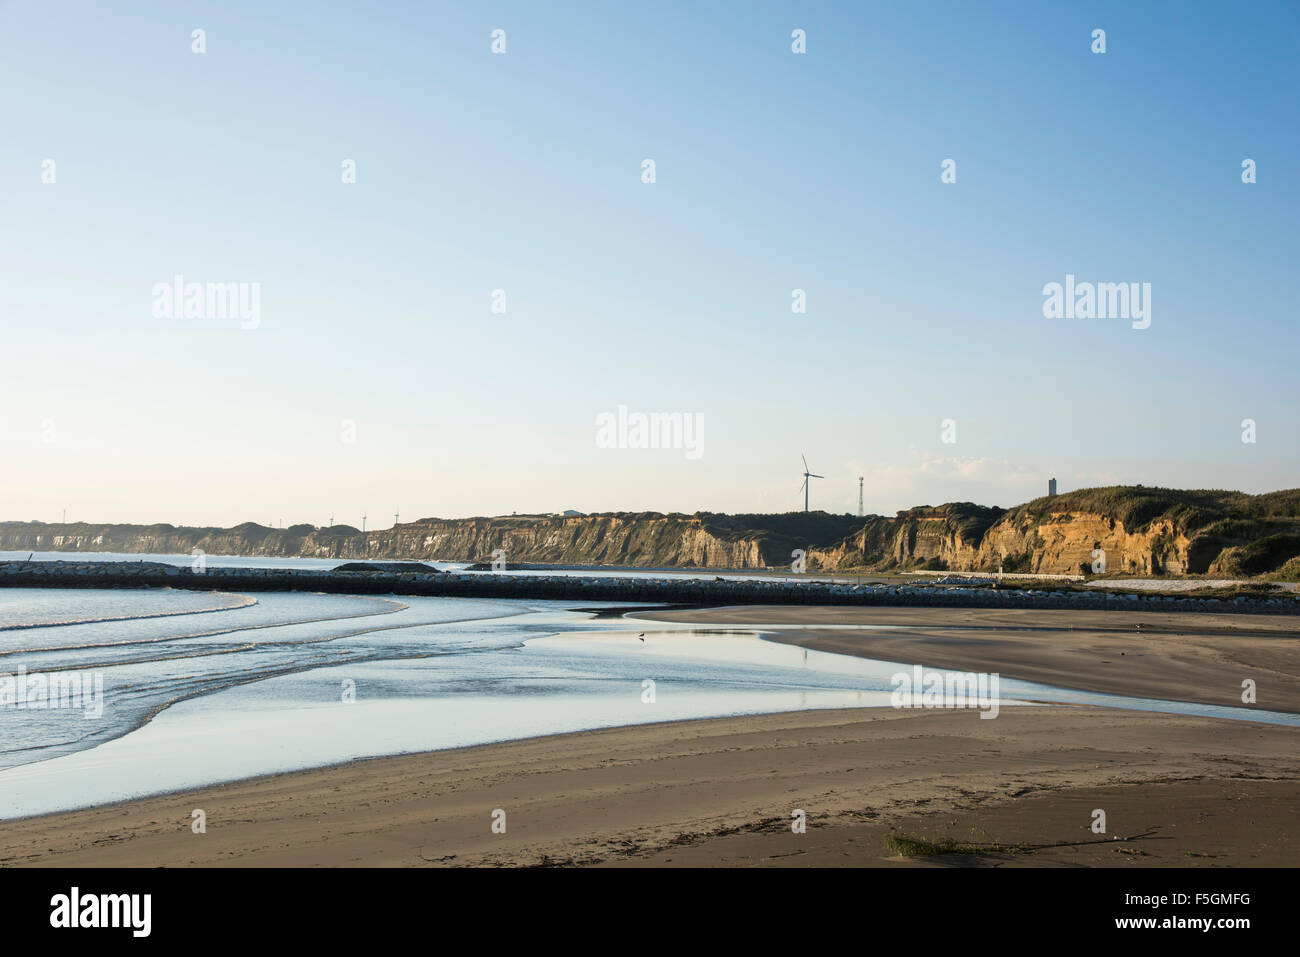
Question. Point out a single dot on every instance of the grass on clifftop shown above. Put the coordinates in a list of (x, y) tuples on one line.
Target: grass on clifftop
[(1138, 506), (779, 535)]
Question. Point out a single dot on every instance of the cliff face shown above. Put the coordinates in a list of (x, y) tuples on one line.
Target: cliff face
[(936, 538), (1142, 531), (1070, 542), (648, 539), (247, 539), (1149, 532)]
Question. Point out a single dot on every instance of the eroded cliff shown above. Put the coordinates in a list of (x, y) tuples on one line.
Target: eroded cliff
[(1139, 530), (646, 539), (1130, 529)]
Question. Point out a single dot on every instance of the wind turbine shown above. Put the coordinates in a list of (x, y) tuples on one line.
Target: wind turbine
[(806, 476)]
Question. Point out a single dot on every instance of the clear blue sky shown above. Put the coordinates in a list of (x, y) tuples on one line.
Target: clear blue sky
[(522, 172)]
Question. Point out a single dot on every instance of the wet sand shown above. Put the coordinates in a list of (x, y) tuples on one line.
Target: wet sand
[(723, 791), (1018, 790), (1175, 656)]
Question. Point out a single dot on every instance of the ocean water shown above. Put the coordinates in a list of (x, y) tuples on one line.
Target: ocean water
[(164, 690), (168, 689), (240, 561)]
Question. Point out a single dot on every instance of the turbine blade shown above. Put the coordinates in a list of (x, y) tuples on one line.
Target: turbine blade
[(810, 475), (805, 461)]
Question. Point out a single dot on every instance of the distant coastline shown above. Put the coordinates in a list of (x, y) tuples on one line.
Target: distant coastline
[(1090, 532)]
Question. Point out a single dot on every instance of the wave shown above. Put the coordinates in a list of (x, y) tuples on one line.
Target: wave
[(204, 684), (265, 645), (240, 601), (128, 642)]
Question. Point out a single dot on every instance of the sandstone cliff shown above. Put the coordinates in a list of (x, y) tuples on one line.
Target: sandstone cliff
[(1141, 530), (646, 539), (942, 537), (1144, 531), (1148, 531)]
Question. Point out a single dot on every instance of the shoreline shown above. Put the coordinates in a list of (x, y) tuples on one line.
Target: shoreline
[(689, 591), (719, 791), (1191, 658), (722, 790)]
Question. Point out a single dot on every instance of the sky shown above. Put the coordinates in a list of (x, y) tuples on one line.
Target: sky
[(375, 377)]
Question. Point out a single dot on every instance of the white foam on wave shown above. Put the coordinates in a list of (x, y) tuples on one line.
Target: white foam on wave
[(22, 608)]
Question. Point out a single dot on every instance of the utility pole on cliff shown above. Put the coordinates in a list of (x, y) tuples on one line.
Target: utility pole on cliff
[(363, 525)]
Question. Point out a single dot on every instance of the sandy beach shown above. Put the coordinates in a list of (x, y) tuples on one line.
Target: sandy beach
[(1019, 790), (723, 791)]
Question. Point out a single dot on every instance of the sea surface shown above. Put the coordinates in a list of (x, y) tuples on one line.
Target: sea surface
[(241, 561), (177, 689)]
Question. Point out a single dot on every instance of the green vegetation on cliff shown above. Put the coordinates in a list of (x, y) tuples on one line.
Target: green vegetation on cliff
[(1229, 534), (780, 534), (1138, 507), (1143, 530)]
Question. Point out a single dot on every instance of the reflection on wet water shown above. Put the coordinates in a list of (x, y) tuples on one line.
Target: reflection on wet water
[(220, 688)]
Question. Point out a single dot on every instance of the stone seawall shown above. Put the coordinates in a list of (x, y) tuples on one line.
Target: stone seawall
[(592, 588)]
